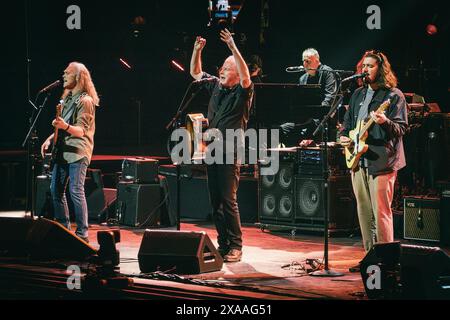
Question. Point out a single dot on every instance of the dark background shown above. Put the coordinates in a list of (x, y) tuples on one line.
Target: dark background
[(149, 93)]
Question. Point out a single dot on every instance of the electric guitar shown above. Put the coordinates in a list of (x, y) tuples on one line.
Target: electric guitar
[(358, 145), (199, 136), (196, 124), (55, 134)]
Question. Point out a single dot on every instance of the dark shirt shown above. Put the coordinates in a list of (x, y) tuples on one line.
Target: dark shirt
[(385, 141), (326, 80), (228, 108)]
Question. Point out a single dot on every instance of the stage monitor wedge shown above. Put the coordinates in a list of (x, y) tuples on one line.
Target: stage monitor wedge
[(400, 271), (180, 252), (41, 239)]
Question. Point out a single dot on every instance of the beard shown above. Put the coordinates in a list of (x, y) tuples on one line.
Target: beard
[(368, 80)]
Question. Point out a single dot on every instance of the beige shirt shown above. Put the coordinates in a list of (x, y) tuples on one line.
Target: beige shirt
[(83, 116)]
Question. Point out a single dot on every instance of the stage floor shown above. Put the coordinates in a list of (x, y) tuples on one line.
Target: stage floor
[(272, 262)]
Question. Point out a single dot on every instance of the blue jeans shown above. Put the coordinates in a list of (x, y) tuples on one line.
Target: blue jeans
[(74, 174)]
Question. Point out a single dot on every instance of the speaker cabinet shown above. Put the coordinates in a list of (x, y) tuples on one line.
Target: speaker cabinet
[(41, 239), (138, 205), (43, 199), (194, 196), (310, 206), (93, 190), (406, 272), (445, 218), (277, 196), (421, 219), (95, 197), (181, 252), (140, 170)]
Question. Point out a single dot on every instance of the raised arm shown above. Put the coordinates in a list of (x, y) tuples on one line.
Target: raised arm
[(196, 59), (242, 68)]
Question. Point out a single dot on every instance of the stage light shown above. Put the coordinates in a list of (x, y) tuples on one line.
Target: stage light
[(177, 65), (125, 63), (138, 26), (431, 29), (139, 20), (223, 13)]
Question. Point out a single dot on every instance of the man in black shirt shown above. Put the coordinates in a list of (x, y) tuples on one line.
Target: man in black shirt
[(229, 106)]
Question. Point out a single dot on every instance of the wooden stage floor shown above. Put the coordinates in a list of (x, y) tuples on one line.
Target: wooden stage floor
[(272, 266)]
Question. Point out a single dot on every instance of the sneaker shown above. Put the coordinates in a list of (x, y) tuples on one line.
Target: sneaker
[(235, 255), (356, 268)]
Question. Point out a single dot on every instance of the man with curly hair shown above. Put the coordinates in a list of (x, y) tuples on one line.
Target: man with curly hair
[(374, 178)]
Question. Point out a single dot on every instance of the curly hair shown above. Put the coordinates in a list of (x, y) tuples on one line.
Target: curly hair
[(85, 81), (386, 77)]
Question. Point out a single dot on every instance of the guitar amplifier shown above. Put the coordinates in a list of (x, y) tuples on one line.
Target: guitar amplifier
[(310, 160), (445, 218), (138, 205), (421, 219), (140, 170)]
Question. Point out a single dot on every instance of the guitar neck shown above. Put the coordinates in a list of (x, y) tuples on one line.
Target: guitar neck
[(55, 135), (366, 126), (58, 114)]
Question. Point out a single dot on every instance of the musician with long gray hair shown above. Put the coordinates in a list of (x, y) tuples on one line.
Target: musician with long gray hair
[(76, 128)]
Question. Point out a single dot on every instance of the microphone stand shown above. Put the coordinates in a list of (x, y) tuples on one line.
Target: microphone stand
[(323, 127), (174, 123), (32, 139)]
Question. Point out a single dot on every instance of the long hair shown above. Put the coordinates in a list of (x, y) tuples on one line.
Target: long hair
[(84, 81), (386, 77)]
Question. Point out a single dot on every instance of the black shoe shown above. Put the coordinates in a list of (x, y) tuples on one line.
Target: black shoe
[(235, 255), (356, 268)]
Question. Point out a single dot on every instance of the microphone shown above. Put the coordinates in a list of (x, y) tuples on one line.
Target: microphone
[(51, 86), (295, 68), (356, 76), (204, 80)]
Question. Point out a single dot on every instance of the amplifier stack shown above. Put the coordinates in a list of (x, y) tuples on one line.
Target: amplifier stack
[(294, 196), (139, 196)]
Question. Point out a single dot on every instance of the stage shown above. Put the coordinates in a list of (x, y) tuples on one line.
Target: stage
[(271, 267)]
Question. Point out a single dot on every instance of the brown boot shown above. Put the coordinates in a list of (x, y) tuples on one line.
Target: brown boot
[(234, 255)]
